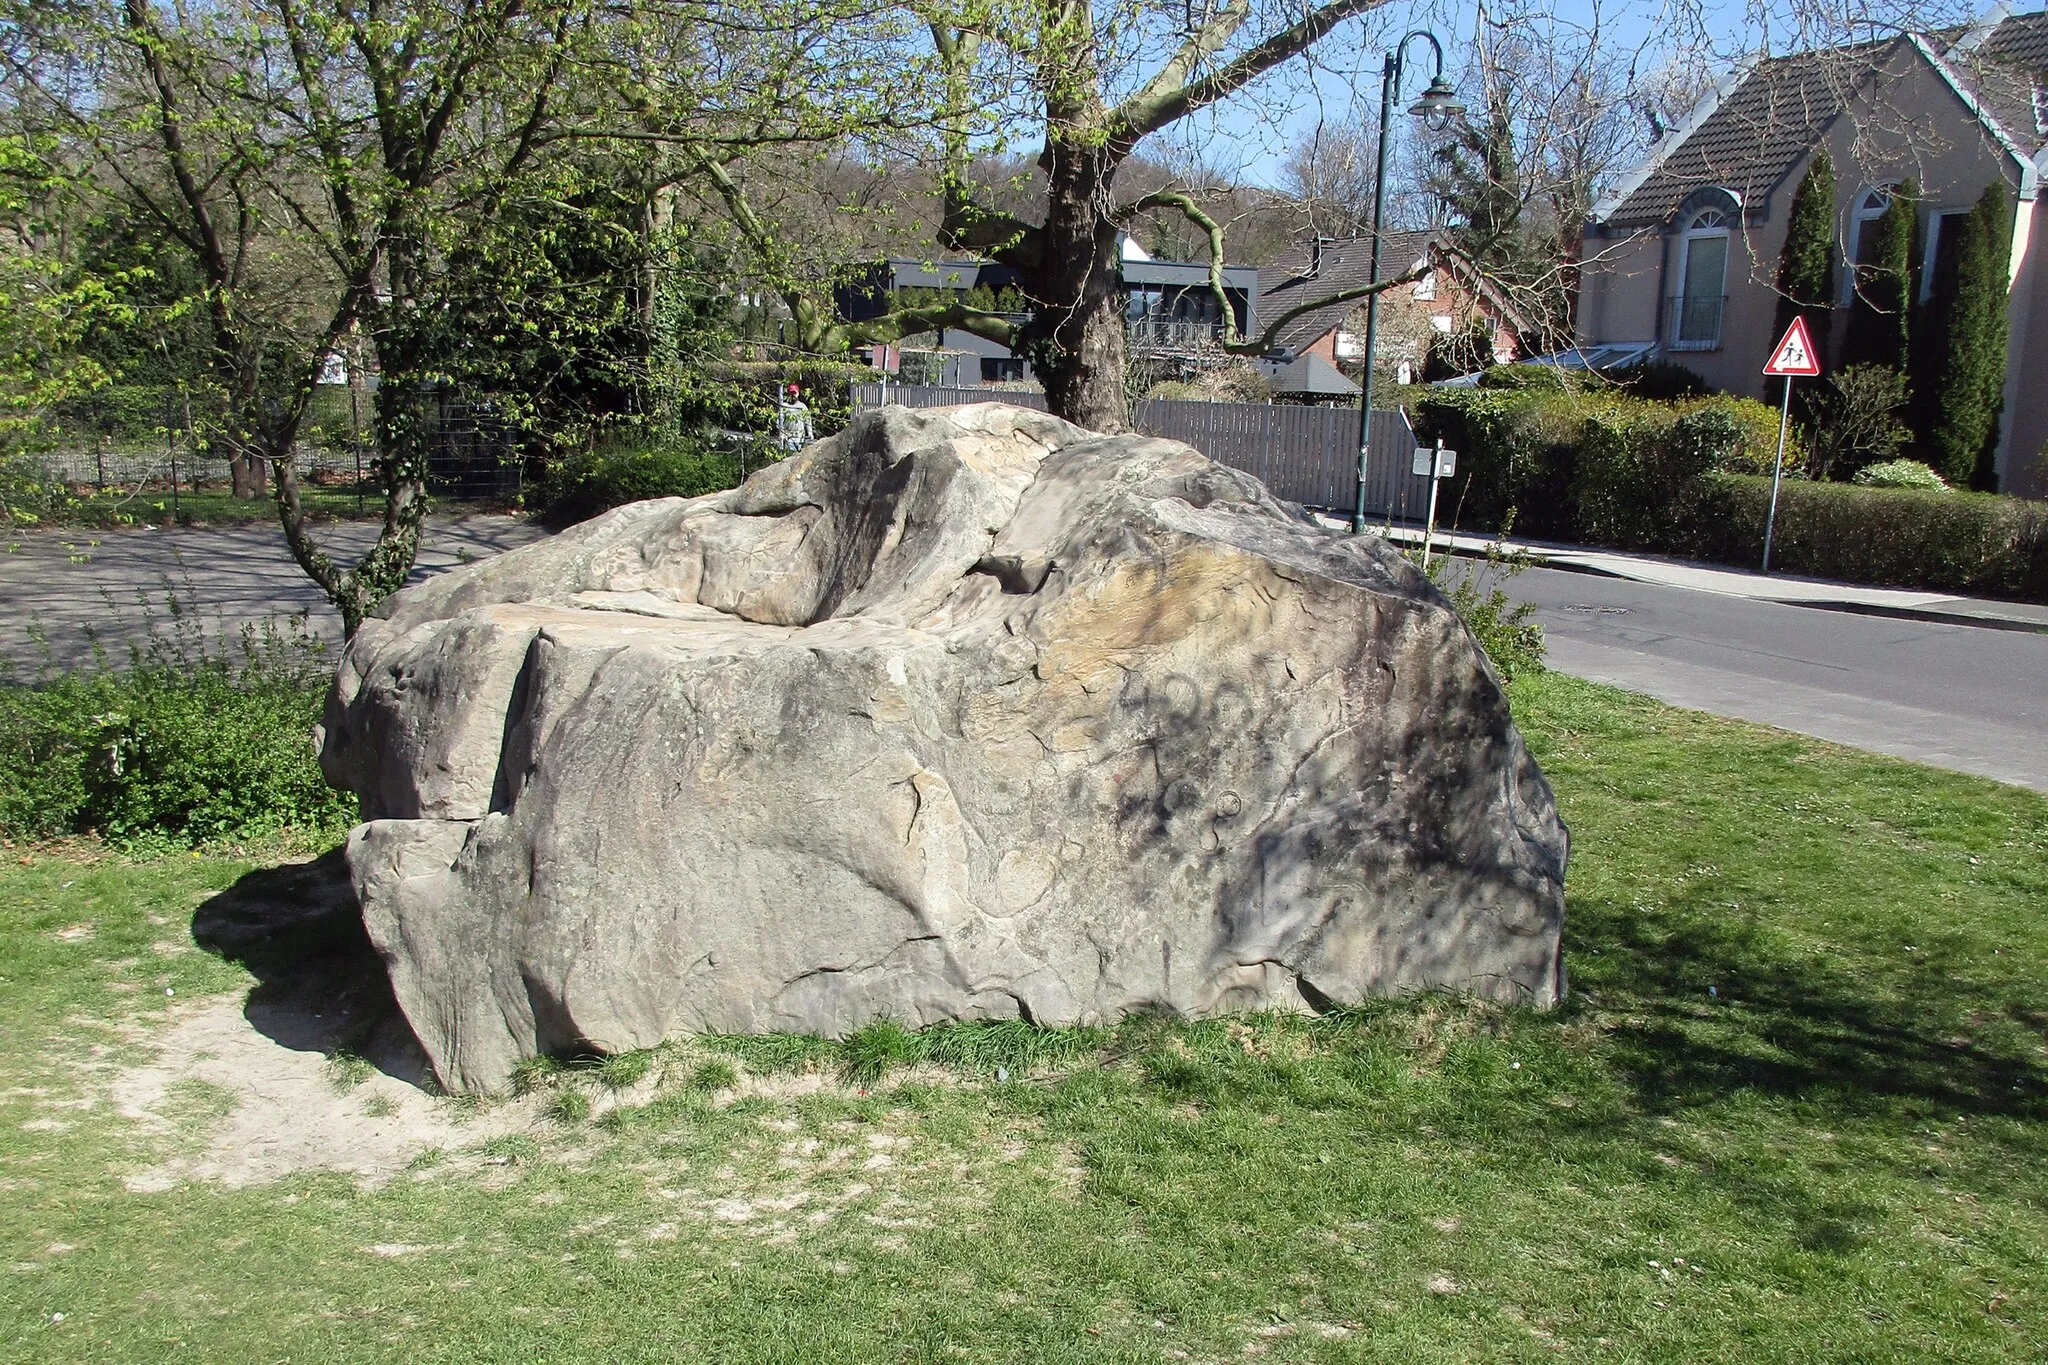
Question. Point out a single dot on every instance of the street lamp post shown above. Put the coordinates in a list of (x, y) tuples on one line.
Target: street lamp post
[(1437, 107)]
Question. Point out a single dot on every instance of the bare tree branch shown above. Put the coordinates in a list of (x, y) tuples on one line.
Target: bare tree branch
[(1148, 112)]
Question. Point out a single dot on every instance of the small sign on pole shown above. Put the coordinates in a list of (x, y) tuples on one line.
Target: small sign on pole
[(1792, 358), (1444, 471), (1437, 464)]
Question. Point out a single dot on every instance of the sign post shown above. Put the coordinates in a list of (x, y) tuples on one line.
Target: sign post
[(1792, 358), (1438, 464)]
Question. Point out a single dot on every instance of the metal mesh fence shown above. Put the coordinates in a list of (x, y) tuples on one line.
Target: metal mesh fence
[(114, 466), (472, 454)]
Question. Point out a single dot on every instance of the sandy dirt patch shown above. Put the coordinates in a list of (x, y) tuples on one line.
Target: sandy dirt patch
[(285, 1111)]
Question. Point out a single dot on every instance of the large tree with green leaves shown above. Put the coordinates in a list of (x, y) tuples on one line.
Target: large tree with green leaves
[(459, 188), (47, 309), (1092, 81)]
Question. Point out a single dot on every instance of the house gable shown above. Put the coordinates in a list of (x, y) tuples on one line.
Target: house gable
[(1746, 139), (1758, 127)]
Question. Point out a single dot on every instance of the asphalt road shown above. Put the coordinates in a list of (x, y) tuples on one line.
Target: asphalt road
[(1961, 697), (62, 590)]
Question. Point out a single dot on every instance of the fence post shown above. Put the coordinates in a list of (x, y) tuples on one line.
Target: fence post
[(355, 437)]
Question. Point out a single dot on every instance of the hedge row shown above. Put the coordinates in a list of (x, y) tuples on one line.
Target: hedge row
[(1975, 543), (1598, 464), (1691, 478), (586, 484)]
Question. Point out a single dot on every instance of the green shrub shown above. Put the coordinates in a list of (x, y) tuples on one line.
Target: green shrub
[(29, 492), (1525, 379), (1610, 500), (1658, 380), (184, 744), (1900, 474), (1857, 421), (1516, 452), (1880, 311), (1959, 369), (1692, 477), (585, 485), (1806, 262), (1598, 464), (1756, 451), (1946, 542), (133, 412), (1501, 625)]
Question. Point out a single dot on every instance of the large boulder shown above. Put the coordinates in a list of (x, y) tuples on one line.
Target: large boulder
[(963, 713)]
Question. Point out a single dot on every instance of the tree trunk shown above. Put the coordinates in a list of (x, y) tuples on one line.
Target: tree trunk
[(1075, 341), (245, 474)]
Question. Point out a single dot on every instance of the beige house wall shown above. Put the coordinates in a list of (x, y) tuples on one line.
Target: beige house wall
[(1618, 283), (1909, 124), (2024, 469)]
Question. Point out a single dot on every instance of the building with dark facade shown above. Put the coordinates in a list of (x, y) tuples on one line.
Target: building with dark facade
[(1170, 310)]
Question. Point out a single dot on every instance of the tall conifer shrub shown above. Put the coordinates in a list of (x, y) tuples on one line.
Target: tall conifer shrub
[(1964, 380), (1883, 304), (1806, 264)]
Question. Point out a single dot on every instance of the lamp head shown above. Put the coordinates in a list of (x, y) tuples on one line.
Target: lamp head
[(1439, 103)]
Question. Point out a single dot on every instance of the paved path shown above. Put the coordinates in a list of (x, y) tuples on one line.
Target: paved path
[(1957, 696), (71, 587), (1908, 603)]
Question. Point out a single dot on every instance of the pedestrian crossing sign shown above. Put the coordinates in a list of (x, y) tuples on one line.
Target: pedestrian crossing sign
[(1794, 356)]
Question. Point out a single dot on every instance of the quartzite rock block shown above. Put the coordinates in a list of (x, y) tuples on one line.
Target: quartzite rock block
[(963, 713)]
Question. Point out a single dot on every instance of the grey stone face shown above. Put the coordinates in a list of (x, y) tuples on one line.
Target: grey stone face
[(963, 713)]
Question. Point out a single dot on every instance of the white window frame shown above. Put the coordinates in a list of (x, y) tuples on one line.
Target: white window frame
[(1697, 228), (1872, 204)]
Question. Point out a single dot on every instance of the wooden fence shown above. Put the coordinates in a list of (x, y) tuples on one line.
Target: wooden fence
[(1304, 454)]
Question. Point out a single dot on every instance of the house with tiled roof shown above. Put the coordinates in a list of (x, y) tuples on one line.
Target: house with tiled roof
[(1446, 297), (1681, 257)]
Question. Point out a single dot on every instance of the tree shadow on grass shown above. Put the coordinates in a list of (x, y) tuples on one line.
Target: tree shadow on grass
[(320, 986), (1803, 1029)]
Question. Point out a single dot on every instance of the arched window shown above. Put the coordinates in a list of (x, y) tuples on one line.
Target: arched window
[(1863, 214), (1702, 281)]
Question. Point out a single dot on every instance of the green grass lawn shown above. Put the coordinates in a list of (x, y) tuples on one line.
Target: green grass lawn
[(1796, 1109)]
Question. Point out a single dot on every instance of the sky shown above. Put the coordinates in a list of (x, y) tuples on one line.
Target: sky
[(1250, 134)]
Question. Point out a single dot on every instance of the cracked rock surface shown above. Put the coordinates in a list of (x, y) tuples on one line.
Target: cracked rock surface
[(963, 713)]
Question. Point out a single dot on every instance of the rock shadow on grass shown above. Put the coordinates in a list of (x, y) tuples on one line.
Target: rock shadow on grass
[(320, 986)]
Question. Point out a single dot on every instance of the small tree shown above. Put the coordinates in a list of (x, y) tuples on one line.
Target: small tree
[(1879, 311), (1857, 421), (1480, 182), (46, 310), (1806, 265), (1963, 373)]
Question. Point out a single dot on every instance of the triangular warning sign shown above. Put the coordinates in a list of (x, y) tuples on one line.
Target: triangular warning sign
[(1794, 355)]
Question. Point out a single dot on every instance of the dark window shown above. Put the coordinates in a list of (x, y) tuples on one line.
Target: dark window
[(1938, 276), (1001, 370)]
